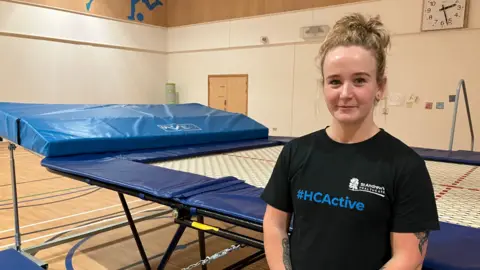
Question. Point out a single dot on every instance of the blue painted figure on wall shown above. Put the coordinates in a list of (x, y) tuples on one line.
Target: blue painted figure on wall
[(150, 7), (133, 3), (89, 4)]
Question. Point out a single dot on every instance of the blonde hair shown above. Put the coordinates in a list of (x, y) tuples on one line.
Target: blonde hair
[(357, 30)]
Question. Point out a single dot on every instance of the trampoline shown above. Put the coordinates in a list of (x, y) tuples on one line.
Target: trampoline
[(203, 162)]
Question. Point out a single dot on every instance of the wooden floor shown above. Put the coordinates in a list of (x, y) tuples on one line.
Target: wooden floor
[(51, 207)]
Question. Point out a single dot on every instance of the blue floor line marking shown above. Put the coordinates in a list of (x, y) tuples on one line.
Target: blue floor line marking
[(71, 252)]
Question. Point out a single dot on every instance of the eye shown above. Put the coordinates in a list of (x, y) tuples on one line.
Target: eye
[(334, 82), (359, 81)]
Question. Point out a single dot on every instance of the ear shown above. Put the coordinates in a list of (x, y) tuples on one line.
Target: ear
[(382, 87)]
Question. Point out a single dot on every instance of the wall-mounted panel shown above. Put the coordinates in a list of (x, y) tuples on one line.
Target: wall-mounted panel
[(143, 11)]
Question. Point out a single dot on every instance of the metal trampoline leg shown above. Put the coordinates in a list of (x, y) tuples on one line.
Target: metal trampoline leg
[(134, 232), (11, 148), (201, 241), (171, 247), (18, 242)]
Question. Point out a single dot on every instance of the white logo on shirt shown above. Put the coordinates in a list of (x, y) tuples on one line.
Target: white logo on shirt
[(356, 185)]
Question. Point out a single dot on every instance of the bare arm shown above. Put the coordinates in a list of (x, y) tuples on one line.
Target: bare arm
[(408, 250), (277, 248)]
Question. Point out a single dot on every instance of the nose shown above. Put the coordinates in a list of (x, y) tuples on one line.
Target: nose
[(346, 90)]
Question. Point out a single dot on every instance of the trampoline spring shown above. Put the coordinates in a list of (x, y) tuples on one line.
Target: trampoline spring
[(215, 256)]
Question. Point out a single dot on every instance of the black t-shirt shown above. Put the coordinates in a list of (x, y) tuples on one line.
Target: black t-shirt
[(347, 198)]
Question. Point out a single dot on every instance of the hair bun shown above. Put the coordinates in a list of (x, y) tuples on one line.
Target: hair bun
[(358, 25)]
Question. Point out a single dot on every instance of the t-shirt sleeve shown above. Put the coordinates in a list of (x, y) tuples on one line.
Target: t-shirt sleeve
[(414, 206), (277, 191)]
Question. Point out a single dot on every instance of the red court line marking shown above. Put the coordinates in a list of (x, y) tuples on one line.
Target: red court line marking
[(457, 187), (455, 184)]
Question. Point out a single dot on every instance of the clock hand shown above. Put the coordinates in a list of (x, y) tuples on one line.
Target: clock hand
[(444, 13), (447, 7)]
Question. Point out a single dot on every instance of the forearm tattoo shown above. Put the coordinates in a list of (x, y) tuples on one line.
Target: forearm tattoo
[(423, 238), (286, 254)]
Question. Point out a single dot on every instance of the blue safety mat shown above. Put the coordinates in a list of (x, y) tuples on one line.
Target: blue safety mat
[(458, 156), (11, 113), (60, 129), (454, 247), (10, 259)]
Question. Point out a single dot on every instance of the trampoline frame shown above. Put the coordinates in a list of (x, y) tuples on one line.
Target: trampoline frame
[(31, 251), (183, 216)]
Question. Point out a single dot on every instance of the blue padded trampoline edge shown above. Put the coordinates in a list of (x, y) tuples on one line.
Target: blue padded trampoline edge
[(128, 174)]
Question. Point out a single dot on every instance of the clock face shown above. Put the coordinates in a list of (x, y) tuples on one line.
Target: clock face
[(443, 14)]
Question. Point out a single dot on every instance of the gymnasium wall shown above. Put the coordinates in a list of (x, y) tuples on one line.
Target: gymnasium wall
[(51, 55), (283, 76), (186, 12)]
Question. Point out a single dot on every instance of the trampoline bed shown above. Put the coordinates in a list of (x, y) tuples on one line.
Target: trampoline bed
[(203, 162)]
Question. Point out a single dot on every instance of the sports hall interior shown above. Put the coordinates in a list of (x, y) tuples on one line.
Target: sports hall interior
[(257, 53)]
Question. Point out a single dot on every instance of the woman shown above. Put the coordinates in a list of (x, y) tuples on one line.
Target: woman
[(360, 198)]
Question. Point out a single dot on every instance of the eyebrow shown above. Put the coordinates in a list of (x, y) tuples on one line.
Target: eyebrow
[(355, 74), (362, 73)]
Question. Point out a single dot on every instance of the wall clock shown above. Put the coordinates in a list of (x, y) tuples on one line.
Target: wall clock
[(444, 14)]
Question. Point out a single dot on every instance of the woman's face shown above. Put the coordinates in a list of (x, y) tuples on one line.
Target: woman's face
[(350, 84)]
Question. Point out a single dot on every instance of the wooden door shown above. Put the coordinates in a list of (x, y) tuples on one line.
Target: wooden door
[(237, 94), (217, 92), (228, 93)]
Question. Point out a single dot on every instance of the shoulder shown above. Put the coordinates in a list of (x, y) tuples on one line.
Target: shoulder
[(304, 142), (296, 152), (299, 149), (407, 164), (399, 152)]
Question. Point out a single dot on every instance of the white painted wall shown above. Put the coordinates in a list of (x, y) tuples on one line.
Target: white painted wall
[(282, 75), (55, 56)]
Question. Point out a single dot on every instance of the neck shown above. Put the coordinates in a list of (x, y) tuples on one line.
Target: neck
[(353, 132)]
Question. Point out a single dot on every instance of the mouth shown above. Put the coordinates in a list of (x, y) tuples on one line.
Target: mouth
[(346, 107)]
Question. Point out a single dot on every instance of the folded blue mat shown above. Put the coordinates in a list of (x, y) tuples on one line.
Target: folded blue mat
[(61, 129)]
